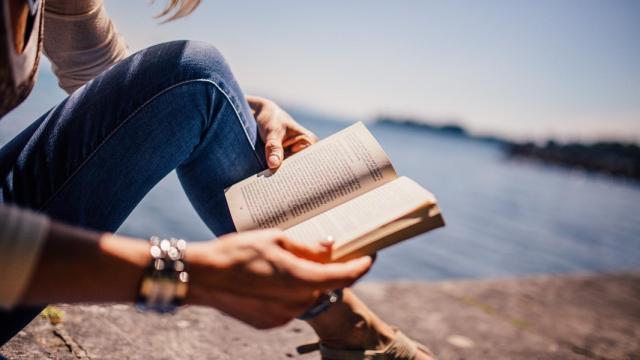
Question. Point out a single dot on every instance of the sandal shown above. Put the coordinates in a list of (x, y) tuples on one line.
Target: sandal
[(401, 348)]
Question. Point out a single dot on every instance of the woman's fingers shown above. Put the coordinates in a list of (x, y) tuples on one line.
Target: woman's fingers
[(264, 278), (327, 243), (296, 148), (326, 276), (319, 252), (294, 128), (261, 313), (273, 146), (308, 263), (279, 131), (299, 139)]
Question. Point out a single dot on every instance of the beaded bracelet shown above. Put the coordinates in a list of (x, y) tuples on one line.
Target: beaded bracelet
[(165, 281)]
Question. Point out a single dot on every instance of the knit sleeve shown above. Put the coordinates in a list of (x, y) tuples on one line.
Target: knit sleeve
[(80, 40)]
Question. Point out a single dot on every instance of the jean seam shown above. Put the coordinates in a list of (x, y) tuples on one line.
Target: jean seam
[(133, 113), (239, 119)]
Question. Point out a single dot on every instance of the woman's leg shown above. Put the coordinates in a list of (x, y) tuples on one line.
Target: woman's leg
[(91, 159)]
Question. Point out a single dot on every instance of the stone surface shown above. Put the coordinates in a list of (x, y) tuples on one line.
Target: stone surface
[(566, 317)]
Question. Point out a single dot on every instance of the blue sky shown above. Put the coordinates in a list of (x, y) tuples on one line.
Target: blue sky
[(568, 69)]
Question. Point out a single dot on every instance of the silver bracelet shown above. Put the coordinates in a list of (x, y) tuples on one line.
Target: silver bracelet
[(165, 281)]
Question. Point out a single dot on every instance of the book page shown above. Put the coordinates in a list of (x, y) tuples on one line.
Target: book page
[(327, 174), (365, 213)]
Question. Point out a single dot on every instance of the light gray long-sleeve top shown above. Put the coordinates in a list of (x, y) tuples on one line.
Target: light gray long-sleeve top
[(81, 42)]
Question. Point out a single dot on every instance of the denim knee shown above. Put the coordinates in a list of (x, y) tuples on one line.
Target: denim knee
[(202, 61), (195, 69)]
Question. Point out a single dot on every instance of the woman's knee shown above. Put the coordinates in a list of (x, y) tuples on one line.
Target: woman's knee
[(202, 61), (194, 72), (163, 66)]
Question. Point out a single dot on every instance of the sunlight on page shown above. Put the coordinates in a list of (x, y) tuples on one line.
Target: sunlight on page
[(365, 213), (331, 172)]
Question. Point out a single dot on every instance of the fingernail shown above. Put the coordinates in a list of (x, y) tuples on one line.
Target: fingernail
[(274, 160), (328, 241)]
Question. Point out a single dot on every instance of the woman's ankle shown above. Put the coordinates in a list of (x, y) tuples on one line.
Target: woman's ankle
[(351, 325)]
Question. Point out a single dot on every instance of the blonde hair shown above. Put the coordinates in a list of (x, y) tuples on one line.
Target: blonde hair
[(176, 9)]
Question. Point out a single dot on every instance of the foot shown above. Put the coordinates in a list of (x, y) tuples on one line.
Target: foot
[(351, 325)]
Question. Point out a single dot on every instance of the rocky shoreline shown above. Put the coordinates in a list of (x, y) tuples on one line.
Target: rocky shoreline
[(546, 317), (611, 158)]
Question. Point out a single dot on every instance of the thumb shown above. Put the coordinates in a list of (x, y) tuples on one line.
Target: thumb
[(273, 148)]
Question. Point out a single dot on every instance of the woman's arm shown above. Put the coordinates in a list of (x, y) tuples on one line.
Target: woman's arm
[(80, 40), (259, 277), (77, 265)]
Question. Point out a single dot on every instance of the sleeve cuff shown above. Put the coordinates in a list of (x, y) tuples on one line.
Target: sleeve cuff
[(22, 234)]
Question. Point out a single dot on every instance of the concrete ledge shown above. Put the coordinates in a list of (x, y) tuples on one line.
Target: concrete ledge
[(565, 317)]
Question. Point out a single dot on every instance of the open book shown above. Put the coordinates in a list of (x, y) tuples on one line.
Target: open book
[(345, 187)]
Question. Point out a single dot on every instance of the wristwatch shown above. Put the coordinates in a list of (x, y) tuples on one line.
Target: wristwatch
[(165, 281), (323, 304)]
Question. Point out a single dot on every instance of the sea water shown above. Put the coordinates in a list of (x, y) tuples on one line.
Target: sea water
[(504, 217)]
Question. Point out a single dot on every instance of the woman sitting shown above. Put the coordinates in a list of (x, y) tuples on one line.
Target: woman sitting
[(128, 122)]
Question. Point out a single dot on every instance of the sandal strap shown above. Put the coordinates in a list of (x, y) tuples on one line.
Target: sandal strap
[(307, 348), (401, 348)]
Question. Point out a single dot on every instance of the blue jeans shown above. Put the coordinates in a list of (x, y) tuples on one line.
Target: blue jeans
[(92, 158)]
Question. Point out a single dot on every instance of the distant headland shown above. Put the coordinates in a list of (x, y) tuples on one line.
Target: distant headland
[(613, 158)]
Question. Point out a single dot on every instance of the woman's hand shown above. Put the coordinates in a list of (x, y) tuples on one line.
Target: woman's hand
[(259, 277), (263, 278), (281, 134)]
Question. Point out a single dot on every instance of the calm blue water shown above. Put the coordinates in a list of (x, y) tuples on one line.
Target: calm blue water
[(504, 217)]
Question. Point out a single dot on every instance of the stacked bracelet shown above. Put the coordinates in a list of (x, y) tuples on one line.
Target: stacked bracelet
[(164, 282)]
